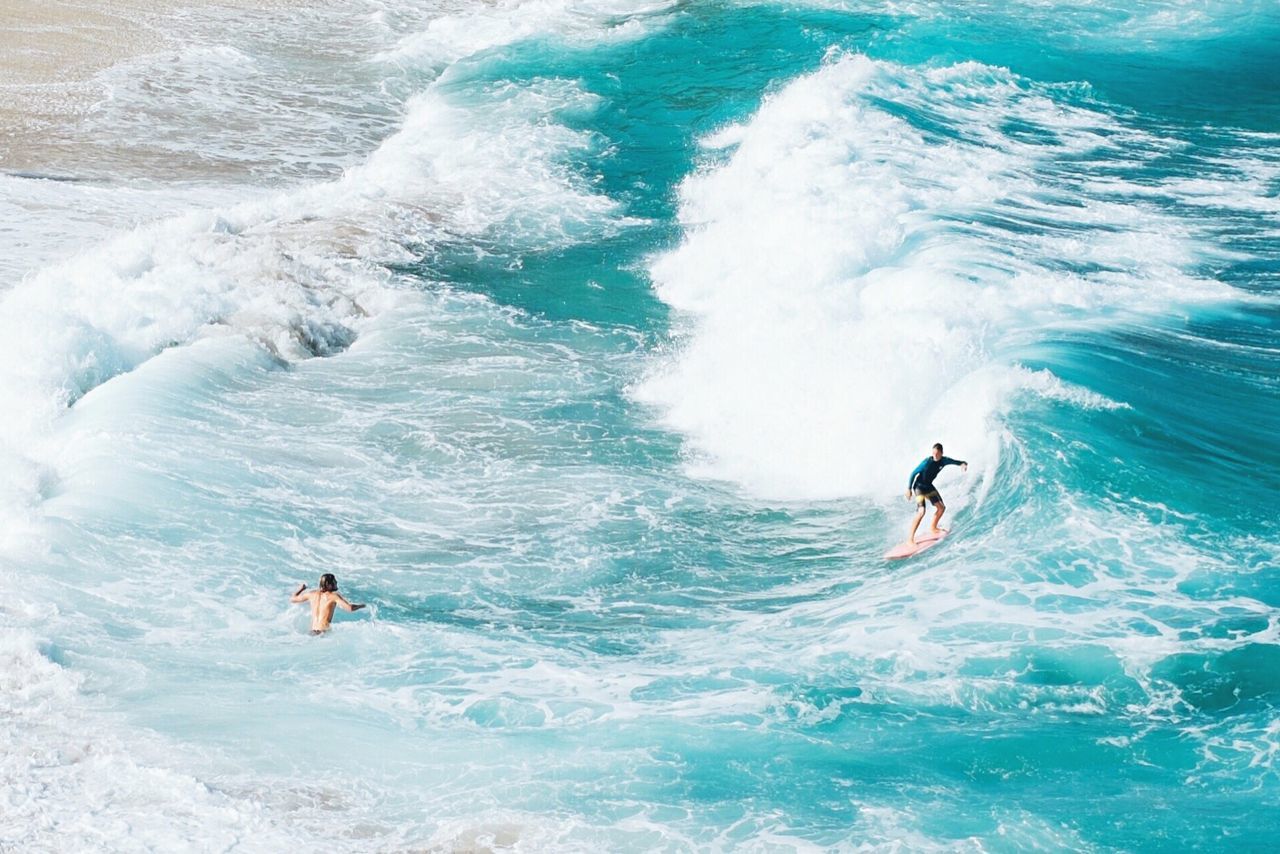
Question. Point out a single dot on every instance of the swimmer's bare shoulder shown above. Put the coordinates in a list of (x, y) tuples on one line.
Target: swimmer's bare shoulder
[(323, 603)]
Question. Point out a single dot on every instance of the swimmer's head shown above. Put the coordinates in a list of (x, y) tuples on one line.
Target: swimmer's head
[(328, 584)]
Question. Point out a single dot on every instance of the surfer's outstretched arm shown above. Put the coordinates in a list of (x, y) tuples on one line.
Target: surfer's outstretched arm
[(947, 461), (299, 596)]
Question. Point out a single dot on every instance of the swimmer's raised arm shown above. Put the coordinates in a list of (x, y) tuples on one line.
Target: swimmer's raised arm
[(346, 606), (297, 595)]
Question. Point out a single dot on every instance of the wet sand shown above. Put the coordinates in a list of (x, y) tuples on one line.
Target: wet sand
[(50, 51)]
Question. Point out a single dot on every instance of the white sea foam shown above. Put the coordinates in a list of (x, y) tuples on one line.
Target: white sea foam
[(70, 782), (855, 284), (43, 221), (1113, 602), (296, 272), (470, 29)]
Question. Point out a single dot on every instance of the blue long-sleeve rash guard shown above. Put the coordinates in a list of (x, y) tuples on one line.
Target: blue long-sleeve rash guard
[(923, 475)]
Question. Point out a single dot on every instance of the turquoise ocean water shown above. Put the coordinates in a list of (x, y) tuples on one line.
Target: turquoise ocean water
[(591, 342)]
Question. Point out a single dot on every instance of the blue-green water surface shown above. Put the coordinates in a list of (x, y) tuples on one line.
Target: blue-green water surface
[(626, 588)]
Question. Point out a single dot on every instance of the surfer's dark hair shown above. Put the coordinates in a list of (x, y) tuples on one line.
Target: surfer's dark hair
[(937, 446), (328, 583)]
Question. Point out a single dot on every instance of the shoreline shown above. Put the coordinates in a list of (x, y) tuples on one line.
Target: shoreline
[(53, 52)]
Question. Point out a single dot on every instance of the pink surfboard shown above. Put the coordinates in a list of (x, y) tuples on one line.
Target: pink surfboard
[(924, 543)]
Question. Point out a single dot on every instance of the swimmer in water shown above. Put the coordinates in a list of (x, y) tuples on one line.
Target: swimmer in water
[(323, 602)]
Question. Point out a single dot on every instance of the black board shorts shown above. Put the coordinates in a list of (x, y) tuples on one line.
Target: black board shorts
[(930, 494)]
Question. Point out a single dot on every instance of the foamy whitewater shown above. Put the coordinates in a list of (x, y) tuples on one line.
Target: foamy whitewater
[(591, 342)]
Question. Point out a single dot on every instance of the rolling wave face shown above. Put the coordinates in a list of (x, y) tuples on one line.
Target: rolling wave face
[(884, 257), (864, 268), (295, 272)]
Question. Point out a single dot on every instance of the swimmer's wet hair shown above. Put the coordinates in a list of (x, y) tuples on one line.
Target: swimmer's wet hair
[(328, 583)]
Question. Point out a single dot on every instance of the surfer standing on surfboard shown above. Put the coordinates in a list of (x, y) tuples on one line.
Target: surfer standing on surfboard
[(920, 487)]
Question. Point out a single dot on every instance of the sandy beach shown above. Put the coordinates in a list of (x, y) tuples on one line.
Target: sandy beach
[(51, 51), (51, 54)]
